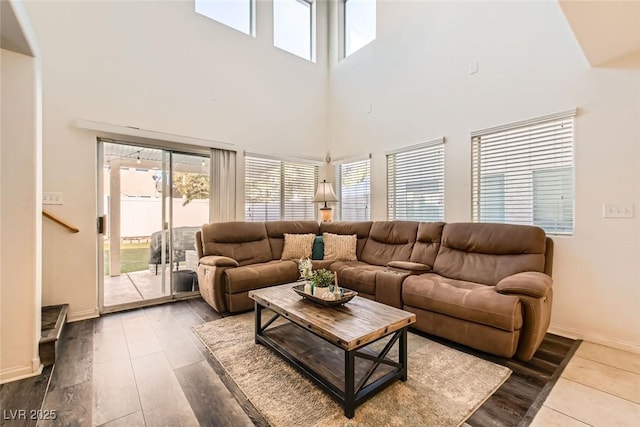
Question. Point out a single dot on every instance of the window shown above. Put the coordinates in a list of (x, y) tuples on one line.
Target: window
[(354, 190), (293, 27), (359, 24), (237, 14), (523, 173), (279, 190), (415, 182)]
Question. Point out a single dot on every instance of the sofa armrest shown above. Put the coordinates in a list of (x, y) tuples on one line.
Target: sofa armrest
[(536, 296), (529, 283), (409, 267), (218, 261)]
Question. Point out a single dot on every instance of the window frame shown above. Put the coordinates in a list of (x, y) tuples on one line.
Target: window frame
[(549, 147), (436, 145)]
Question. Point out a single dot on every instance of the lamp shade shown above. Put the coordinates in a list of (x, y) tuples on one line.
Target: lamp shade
[(325, 193)]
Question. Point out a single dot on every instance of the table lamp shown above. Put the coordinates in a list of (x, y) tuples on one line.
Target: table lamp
[(325, 194)]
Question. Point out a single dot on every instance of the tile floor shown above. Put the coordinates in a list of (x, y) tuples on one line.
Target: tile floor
[(599, 387), (142, 366)]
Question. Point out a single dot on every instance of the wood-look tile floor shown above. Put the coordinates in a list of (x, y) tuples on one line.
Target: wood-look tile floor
[(141, 368), (145, 367)]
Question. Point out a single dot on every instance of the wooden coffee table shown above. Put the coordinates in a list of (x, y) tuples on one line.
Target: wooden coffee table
[(335, 346)]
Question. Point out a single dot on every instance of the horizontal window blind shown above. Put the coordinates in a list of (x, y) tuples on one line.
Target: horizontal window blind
[(354, 190), (299, 188), (415, 183), (279, 190), (523, 174)]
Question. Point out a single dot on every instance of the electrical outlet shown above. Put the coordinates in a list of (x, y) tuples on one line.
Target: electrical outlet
[(617, 210), (51, 198)]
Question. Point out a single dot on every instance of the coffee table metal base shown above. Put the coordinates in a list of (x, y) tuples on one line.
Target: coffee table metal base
[(354, 393)]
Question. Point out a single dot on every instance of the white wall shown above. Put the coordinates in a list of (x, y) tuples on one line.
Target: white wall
[(159, 66), (416, 77), (20, 217)]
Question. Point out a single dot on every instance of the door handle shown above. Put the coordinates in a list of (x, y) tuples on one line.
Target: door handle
[(102, 224)]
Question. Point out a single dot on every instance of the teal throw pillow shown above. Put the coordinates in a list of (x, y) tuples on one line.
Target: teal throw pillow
[(318, 248)]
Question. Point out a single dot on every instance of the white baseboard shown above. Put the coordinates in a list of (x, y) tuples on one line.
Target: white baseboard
[(594, 338), (83, 315), (21, 372)]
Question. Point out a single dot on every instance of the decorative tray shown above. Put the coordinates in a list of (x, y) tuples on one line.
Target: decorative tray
[(345, 296)]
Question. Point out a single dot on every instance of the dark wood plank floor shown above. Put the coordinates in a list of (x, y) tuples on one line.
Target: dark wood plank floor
[(145, 367)]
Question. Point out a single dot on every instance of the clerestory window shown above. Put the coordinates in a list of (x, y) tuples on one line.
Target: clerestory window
[(359, 24), (294, 27), (237, 14)]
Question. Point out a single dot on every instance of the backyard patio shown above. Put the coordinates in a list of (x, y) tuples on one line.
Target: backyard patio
[(140, 280)]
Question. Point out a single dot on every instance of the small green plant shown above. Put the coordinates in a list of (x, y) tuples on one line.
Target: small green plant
[(322, 278)]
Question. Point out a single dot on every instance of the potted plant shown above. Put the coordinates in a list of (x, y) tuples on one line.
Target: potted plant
[(321, 280)]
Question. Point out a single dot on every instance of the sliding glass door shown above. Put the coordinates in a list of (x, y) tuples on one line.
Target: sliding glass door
[(154, 200), (191, 185)]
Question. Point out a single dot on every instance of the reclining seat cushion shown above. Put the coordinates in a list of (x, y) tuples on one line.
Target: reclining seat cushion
[(277, 229), (427, 243), (256, 276), (359, 228), (246, 242), (357, 275), (389, 241), (464, 300), (487, 253)]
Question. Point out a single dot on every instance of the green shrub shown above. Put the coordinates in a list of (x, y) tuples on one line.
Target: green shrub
[(322, 278)]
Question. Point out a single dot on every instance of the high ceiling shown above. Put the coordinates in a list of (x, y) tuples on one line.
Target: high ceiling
[(608, 30)]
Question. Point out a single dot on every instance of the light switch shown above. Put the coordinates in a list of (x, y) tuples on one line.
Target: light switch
[(473, 67), (617, 210), (51, 198)]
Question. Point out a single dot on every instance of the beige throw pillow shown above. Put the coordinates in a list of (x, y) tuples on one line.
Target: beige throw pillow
[(340, 247), (297, 246)]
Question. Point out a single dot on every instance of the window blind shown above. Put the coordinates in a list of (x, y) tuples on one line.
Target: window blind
[(299, 183), (415, 182), (279, 190), (523, 173), (354, 190)]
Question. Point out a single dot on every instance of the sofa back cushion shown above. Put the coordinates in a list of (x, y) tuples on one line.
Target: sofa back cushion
[(246, 242), (487, 253), (427, 243), (359, 228), (389, 241), (277, 229)]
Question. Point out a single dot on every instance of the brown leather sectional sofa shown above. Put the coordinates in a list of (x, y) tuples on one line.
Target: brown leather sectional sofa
[(487, 286)]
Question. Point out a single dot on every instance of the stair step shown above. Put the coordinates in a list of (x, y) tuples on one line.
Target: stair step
[(54, 318)]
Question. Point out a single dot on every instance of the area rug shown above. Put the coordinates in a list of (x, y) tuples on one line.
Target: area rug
[(444, 388)]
